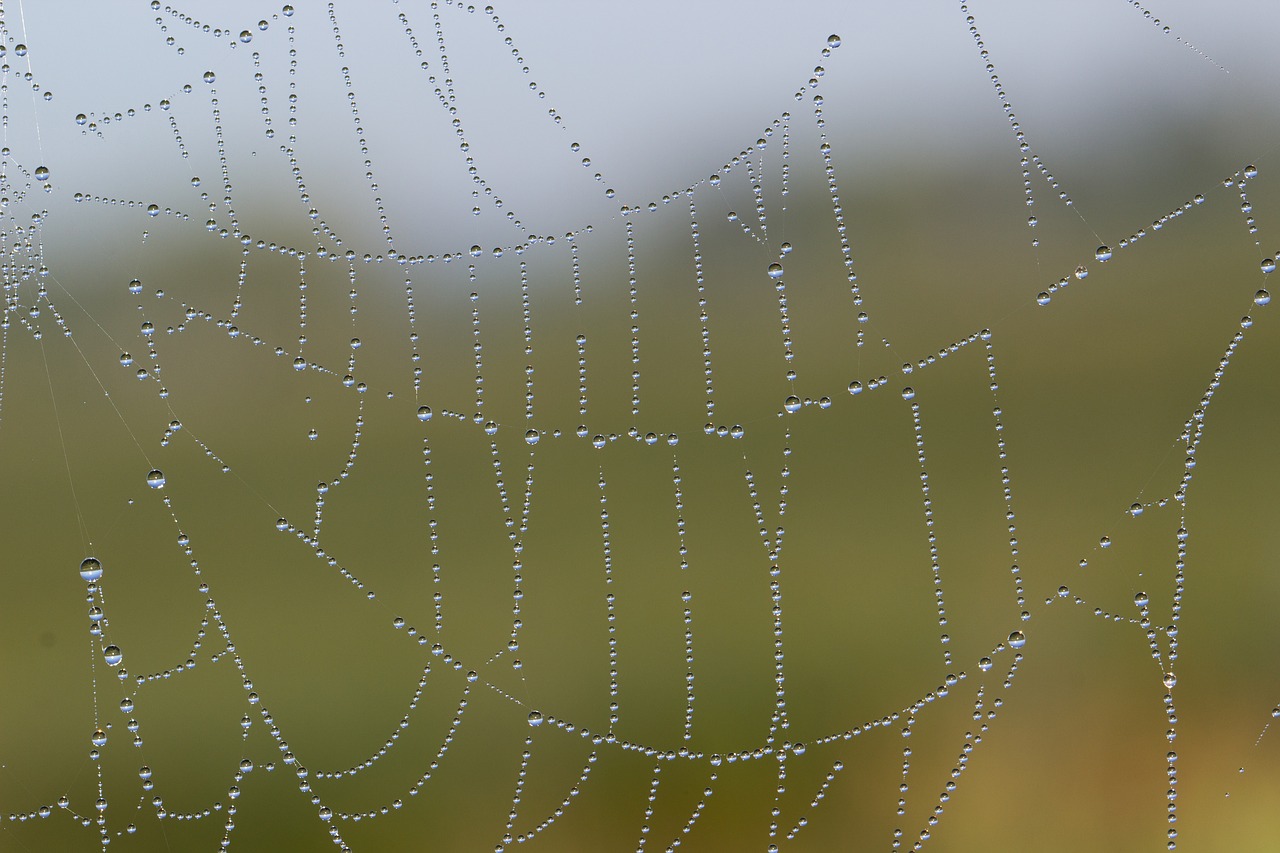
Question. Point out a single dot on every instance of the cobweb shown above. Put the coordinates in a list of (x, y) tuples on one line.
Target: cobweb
[(431, 426)]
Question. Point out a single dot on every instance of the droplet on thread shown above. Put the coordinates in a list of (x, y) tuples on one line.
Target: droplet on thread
[(90, 569)]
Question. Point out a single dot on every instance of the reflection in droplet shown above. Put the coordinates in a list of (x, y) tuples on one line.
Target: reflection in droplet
[(155, 478), (90, 569)]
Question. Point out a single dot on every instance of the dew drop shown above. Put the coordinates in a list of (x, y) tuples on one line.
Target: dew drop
[(775, 270), (209, 77), (1017, 640), (424, 413), (908, 393), (90, 568), (155, 478), (985, 664), (535, 718), (1042, 298), (792, 404), (1262, 297), (1141, 599), (1170, 680), (833, 40), (112, 655), (855, 387), (1103, 254), (1268, 265), (1135, 510), (532, 437), (42, 173)]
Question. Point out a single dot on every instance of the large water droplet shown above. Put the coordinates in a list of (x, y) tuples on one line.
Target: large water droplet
[(424, 413), (792, 404), (535, 718), (155, 478), (112, 655), (90, 569), (1017, 640), (775, 270), (1103, 253), (42, 173)]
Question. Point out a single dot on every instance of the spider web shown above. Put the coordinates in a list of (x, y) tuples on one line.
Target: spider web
[(492, 427)]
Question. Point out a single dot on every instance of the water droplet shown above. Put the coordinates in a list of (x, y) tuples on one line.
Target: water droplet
[(985, 664), (112, 655), (1268, 265), (90, 569), (42, 173), (1082, 272), (535, 718), (1135, 510), (775, 270), (1141, 599), (792, 404), (1103, 254), (209, 77), (855, 387), (1170, 680), (1017, 640), (246, 36), (833, 40), (155, 478), (532, 437), (98, 738), (476, 251), (1042, 298), (424, 413), (1262, 297), (1251, 171), (908, 393)]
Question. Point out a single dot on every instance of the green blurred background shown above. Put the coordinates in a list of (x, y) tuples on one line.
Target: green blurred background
[(1094, 389)]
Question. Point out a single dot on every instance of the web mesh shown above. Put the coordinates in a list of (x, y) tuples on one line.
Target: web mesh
[(452, 446)]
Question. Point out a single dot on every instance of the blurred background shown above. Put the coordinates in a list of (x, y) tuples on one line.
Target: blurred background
[(560, 218)]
